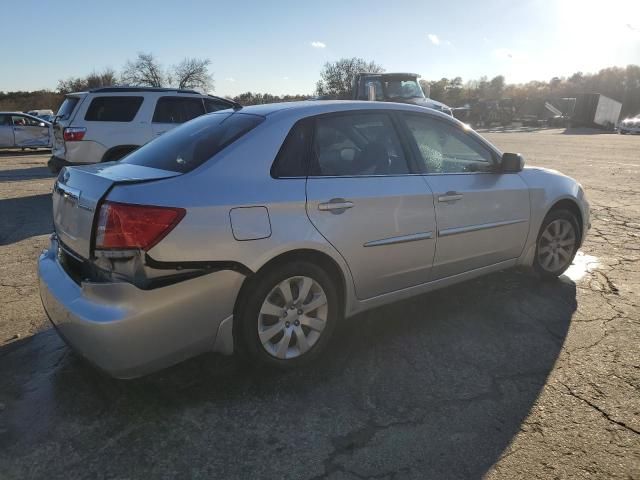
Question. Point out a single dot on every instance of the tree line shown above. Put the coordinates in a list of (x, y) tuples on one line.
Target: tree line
[(619, 83)]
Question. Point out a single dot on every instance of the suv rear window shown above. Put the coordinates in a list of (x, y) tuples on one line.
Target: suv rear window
[(189, 146), (212, 105), (113, 109), (66, 109), (177, 110)]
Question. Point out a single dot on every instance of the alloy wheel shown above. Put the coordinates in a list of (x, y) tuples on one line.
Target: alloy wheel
[(557, 245), (292, 317)]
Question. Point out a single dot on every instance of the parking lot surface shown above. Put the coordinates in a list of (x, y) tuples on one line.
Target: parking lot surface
[(502, 377)]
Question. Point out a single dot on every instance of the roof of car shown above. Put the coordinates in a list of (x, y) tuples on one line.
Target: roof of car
[(315, 107)]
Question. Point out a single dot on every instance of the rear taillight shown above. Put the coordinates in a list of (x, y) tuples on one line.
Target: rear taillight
[(73, 134), (128, 226)]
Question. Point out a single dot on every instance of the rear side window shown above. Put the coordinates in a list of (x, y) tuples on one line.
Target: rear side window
[(186, 147), (291, 160), (177, 109), (67, 107), (212, 105), (113, 109), (5, 120)]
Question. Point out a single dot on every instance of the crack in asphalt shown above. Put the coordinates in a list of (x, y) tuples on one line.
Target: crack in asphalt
[(604, 414)]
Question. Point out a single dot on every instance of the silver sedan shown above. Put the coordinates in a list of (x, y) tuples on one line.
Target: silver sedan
[(258, 229), (20, 130)]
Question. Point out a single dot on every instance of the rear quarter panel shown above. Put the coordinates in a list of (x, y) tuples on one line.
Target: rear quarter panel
[(238, 177)]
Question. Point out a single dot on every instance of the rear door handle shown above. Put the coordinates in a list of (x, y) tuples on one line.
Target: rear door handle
[(335, 205), (450, 197)]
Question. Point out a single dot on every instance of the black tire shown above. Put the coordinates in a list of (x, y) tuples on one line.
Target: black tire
[(554, 215), (256, 292)]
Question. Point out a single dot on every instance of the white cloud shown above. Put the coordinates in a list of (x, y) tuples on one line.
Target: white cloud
[(434, 38), (318, 44), (230, 79), (285, 78)]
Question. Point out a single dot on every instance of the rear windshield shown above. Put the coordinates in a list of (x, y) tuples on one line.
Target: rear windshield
[(113, 109), (190, 145), (66, 109)]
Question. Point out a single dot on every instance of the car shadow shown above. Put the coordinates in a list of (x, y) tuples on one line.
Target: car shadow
[(21, 174), (25, 153), (24, 217), (437, 385)]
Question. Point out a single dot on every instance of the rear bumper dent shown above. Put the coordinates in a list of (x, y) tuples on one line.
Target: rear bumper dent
[(129, 332)]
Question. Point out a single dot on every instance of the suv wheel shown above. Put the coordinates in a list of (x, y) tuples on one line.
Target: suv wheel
[(288, 315)]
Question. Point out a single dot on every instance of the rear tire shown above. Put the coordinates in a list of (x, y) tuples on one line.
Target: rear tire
[(287, 315), (557, 243), (117, 153)]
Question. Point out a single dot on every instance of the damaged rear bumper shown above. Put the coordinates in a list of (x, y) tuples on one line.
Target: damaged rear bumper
[(129, 332)]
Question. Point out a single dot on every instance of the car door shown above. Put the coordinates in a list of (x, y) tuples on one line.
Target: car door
[(363, 198), (172, 111), (30, 132), (482, 214), (6, 131)]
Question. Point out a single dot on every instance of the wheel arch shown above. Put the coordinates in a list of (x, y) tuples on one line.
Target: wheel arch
[(118, 148), (317, 257), (572, 206)]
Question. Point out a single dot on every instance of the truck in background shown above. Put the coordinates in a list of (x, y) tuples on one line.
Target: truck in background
[(394, 87), (596, 110)]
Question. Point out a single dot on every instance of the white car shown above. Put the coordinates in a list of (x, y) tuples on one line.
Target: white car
[(106, 124), (630, 125), (20, 130)]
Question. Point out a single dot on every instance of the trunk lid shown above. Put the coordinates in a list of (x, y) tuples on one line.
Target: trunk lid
[(77, 194)]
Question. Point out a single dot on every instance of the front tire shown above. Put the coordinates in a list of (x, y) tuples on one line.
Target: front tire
[(557, 244), (287, 315)]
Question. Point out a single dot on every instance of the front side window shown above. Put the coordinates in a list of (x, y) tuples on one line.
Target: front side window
[(113, 109), (447, 149), (357, 145), (186, 147), (402, 89), (20, 121), (177, 109)]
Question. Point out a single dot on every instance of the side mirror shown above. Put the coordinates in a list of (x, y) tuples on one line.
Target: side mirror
[(511, 163)]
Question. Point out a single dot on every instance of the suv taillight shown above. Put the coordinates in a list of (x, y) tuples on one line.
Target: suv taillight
[(73, 134), (127, 226)]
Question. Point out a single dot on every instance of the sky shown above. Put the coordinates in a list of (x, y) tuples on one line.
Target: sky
[(280, 46)]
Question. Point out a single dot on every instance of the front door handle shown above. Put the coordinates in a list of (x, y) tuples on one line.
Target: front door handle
[(450, 197), (335, 205)]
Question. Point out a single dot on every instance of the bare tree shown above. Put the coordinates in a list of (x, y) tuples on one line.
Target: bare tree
[(106, 78), (144, 71), (336, 78), (193, 73)]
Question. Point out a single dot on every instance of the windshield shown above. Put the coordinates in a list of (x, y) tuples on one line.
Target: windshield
[(193, 143), (396, 88)]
